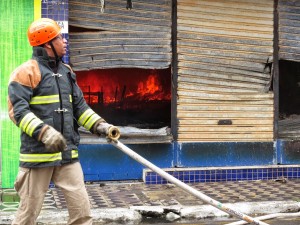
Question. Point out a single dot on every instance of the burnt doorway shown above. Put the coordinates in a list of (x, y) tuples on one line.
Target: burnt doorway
[(138, 98), (289, 100), (122, 57)]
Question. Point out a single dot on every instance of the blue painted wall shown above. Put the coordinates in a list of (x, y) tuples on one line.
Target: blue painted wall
[(288, 152), (105, 162), (225, 154)]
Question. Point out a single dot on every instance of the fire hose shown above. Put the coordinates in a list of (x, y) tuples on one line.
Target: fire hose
[(182, 185), (270, 216)]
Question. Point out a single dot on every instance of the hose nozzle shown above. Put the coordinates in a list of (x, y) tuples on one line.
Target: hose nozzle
[(113, 133)]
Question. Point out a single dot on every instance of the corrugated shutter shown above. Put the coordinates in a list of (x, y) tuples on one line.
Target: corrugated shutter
[(289, 30), (224, 50), (119, 37)]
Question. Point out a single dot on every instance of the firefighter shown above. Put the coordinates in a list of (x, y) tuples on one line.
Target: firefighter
[(45, 102)]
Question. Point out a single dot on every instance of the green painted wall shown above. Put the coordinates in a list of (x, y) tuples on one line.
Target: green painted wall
[(15, 17)]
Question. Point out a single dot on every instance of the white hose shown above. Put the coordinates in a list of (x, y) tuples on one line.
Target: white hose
[(267, 217), (184, 186)]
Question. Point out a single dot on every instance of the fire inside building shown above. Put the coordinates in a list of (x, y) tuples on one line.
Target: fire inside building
[(206, 90), (204, 72), (129, 97)]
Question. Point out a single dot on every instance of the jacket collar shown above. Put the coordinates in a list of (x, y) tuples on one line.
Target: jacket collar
[(40, 54)]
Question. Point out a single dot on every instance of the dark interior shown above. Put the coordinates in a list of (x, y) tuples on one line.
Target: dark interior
[(289, 100), (289, 89), (129, 97)]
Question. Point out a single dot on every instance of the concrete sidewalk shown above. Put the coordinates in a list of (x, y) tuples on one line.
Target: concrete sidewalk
[(130, 202)]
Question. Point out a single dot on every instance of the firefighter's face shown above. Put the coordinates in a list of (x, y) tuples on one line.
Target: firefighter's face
[(60, 45)]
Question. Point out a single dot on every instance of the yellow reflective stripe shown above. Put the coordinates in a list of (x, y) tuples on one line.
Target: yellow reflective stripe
[(47, 99), (25, 121), (32, 125), (49, 157), (40, 157), (29, 123), (74, 154), (85, 116), (91, 121), (70, 96)]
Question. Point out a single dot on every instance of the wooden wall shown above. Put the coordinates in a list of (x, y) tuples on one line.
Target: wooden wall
[(289, 29), (225, 52), (120, 37), (224, 48)]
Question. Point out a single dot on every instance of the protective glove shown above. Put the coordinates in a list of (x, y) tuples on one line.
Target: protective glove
[(53, 140), (112, 132)]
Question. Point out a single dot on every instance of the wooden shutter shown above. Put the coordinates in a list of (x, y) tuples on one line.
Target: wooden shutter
[(120, 37), (289, 30), (225, 52)]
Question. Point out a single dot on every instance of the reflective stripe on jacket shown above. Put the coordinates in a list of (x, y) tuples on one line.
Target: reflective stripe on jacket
[(45, 157), (39, 97)]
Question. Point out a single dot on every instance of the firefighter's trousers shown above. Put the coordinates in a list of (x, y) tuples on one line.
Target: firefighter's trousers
[(32, 185)]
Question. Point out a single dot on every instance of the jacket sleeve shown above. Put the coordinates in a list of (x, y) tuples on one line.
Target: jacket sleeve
[(84, 115), (20, 90)]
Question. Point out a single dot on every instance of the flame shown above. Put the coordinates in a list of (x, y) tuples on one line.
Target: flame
[(113, 86), (150, 86)]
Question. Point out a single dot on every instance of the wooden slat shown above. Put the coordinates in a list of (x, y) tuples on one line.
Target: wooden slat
[(224, 108), (89, 52), (241, 55), (225, 96), (225, 39), (217, 89), (78, 36), (226, 115), (122, 56), (188, 76), (228, 25), (229, 32), (191, 101), (240, 136), (213, 139), (250, 48), (223, 61), (213, 85), (117, 42), (208, 16), (245, 5), (193, 67), (122, 63), (222, 129), (235, 122)]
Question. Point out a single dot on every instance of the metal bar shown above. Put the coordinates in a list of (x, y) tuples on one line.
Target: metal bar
[(184, 186), (276, 69), (174, 72)]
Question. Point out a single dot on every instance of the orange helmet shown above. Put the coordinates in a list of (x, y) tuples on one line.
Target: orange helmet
[(42, 30)]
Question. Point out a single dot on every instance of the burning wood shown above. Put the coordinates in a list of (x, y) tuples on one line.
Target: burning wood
[(146, 86), (129, 97)]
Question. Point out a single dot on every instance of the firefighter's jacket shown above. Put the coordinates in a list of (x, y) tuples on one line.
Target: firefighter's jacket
[(37, 98)]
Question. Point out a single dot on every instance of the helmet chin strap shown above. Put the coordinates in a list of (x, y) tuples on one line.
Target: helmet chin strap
[(55, 53)]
